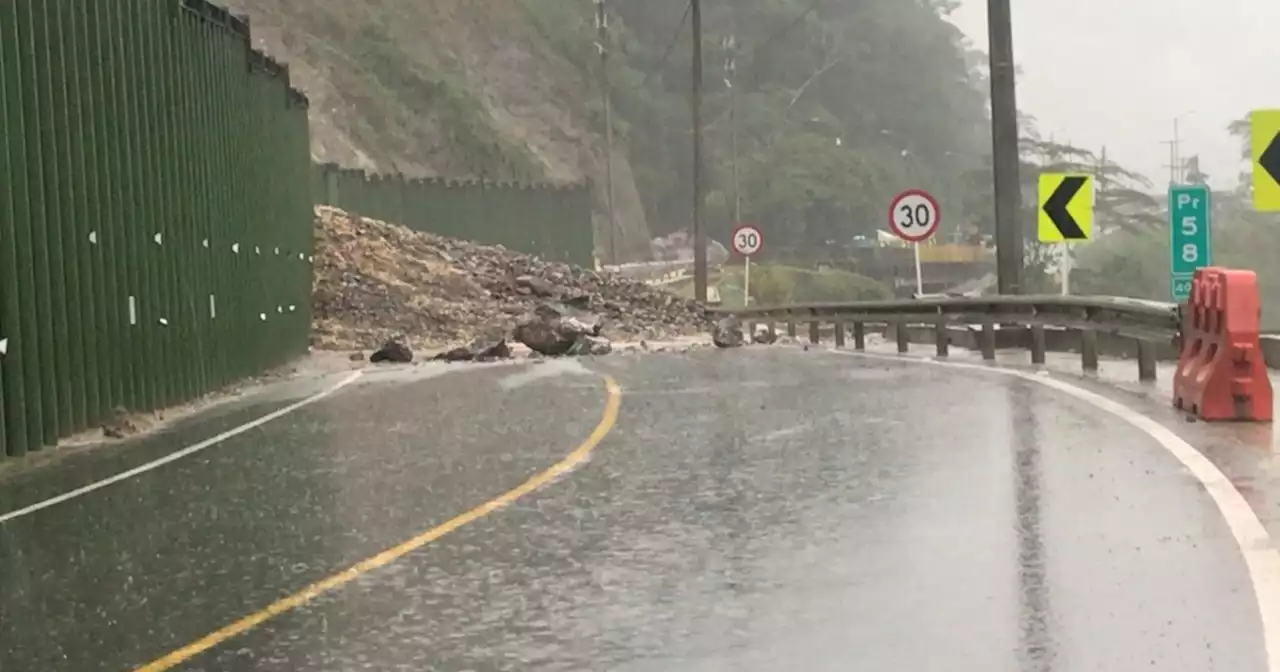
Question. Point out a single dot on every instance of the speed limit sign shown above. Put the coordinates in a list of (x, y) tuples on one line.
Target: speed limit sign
[(747, 240), (914, 215)]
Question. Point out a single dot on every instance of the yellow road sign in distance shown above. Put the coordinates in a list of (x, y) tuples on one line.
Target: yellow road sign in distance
[(1264, 128), (1066, 207)]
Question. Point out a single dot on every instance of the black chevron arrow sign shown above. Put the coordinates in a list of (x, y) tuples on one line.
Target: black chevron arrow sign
[(1270, 159), (1056, 207)]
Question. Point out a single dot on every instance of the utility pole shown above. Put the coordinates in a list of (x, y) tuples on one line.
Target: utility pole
[(1104, 187), (602, 44), (699, 235), (1175, 156), (1004, 149), (1177, 152), (730, 45)]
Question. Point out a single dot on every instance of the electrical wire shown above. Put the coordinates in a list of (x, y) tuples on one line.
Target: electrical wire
[(813, 6), (671, 45)]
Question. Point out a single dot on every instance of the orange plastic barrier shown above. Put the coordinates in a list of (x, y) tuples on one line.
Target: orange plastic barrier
[(1221, 374)]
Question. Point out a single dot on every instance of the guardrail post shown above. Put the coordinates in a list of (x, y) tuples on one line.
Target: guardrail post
[(1089, 350), (903, 337), (1037, 344), (1146, 361), (839, 327), (813, 331), (791, 329), (988, 341), (859, 336), (941, 340)]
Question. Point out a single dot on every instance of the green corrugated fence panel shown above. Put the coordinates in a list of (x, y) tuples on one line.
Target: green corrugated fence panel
[(552, 222), (55, 138), (29, 34), (156, 201), (20, 379), (77, 143), (112, 119), (102, 336)]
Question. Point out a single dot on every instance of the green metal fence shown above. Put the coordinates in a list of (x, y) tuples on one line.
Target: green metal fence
[(155, 211), (549, 221)]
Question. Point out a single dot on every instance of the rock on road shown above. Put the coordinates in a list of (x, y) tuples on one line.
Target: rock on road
[(757, 509)]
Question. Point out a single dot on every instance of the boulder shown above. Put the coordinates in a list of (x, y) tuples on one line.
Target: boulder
[(544, 337), (557, 329), (394, 352), (727, 333), (764, 336)]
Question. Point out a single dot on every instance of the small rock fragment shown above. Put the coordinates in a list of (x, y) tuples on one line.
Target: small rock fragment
[(591, 345)]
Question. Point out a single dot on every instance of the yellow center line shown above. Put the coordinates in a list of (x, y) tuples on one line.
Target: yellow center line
[(613, 402)]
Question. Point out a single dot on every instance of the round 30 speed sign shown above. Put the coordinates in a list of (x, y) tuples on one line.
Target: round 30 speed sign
[(747, 240), (914, 215)]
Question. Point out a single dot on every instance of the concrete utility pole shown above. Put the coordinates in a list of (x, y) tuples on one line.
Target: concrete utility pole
[(730, 45), (1004, 149), (602, 44), (699, 235)]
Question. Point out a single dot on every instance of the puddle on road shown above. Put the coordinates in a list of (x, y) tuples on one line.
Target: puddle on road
[(548, 368)]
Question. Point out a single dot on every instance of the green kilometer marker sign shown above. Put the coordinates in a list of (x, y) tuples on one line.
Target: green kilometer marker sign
[(1189, 236)]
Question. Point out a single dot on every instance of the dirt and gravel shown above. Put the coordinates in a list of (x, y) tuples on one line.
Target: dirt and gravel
[(377, 282)]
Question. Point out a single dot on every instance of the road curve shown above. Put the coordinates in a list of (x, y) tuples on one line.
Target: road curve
[(759, 509)]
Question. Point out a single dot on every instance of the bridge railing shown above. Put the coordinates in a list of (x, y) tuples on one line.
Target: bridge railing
[(1091, 325)]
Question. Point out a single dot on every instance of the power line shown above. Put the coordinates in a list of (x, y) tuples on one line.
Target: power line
[(768, 41), (671, 45)]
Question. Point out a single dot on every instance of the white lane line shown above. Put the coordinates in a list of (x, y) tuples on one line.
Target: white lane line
[(784, 433), (172, 457), (1260, 555)]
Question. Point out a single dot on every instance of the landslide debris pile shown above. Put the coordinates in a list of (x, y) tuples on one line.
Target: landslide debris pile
[(379, 284)]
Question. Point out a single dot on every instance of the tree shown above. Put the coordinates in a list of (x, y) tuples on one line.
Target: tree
[(1121, 204), (820, 193), (837, 104)]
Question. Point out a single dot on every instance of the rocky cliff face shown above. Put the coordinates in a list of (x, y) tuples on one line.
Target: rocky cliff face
[(445, 87)]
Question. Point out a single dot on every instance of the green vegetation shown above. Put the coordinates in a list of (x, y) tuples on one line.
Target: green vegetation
[(838, 105), (1135, 260), (776, 285)]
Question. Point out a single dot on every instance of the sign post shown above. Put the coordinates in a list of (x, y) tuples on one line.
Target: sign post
[(914, 216), (747, 241), (1190, 236), (1065, 215)]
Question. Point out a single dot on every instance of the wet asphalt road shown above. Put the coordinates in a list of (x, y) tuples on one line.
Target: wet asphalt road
[(761, 509)]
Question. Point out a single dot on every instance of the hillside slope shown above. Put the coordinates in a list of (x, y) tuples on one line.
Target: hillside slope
[(444, 87)]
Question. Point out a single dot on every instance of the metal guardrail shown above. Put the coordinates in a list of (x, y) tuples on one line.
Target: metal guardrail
[(1150, 327)]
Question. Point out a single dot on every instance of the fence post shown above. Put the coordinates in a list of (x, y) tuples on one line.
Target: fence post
[(1038, 346), (1089, 350), (331, 181)]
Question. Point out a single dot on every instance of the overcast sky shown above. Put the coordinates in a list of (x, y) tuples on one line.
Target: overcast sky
[(1117, 72)]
